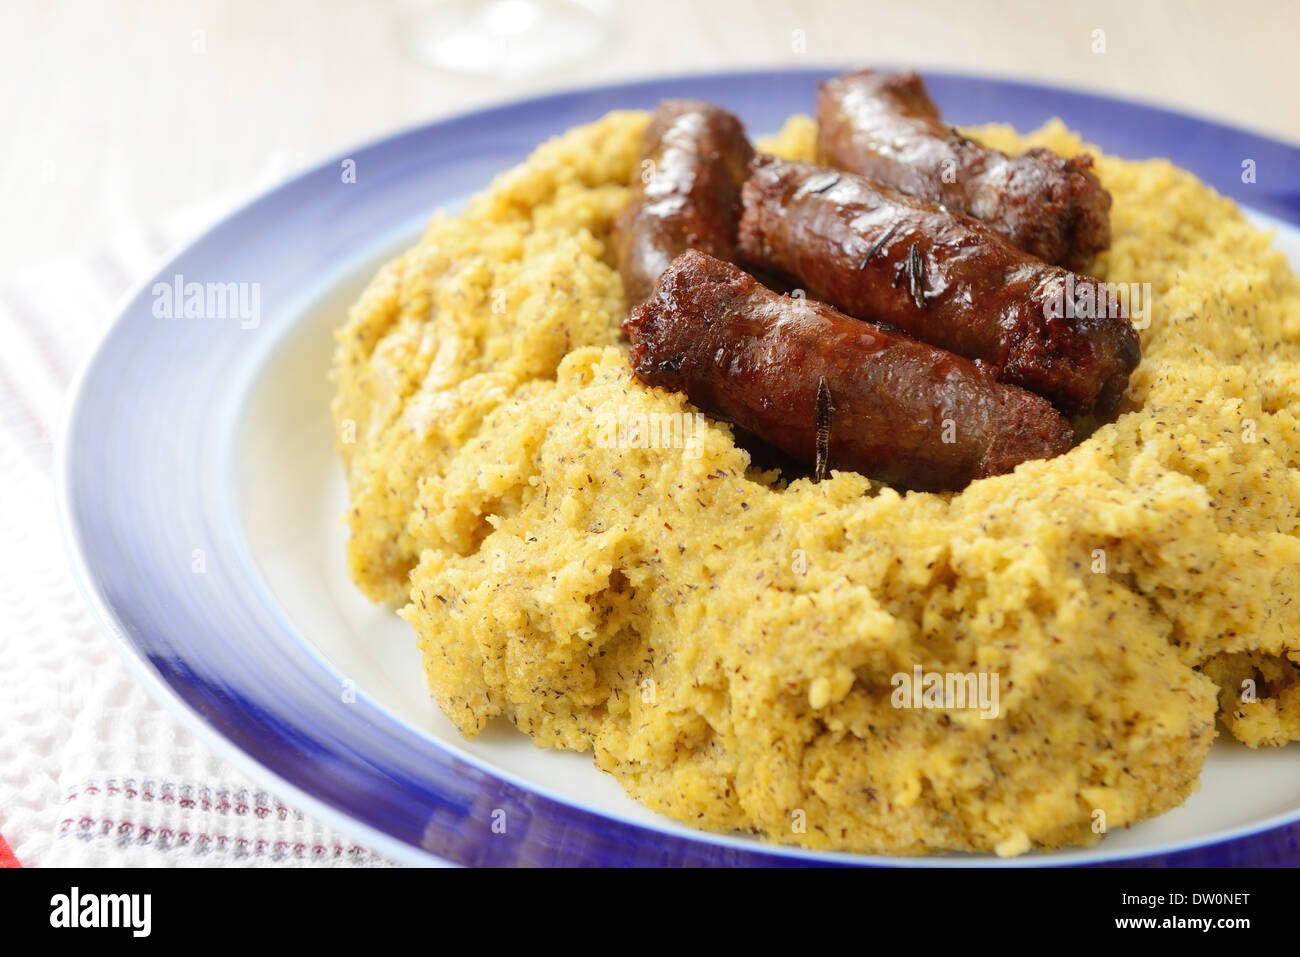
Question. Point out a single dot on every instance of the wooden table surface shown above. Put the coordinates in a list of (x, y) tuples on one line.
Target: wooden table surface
[(121, 110)]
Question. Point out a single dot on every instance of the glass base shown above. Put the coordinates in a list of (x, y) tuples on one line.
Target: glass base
[(505, 37)]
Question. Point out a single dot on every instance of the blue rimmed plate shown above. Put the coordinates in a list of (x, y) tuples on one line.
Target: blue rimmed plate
[(201, 496)]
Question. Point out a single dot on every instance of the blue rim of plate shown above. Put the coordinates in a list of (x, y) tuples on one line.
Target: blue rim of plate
[(145, 458)]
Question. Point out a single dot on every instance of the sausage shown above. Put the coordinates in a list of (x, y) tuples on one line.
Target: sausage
[(943, 277), (885, 126), (830, 389), (686, 193)]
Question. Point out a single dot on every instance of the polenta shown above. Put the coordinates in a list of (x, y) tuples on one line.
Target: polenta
[(725, 642)]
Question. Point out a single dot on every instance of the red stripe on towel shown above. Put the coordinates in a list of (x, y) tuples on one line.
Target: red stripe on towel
[(7, 858)]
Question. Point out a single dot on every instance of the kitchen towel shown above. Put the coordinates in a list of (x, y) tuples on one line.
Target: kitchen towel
[(93, 772)]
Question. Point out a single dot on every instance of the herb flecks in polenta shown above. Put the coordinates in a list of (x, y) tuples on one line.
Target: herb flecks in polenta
[(724, 645)]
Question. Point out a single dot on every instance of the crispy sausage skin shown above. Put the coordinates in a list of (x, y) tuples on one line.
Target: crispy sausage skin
[(945, 278), (892, 408), (885, 126), (686, 194)]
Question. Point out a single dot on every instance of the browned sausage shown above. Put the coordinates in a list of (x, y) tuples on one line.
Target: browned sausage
[(885, 126), (786, 368), (686, 192), (942, 277)]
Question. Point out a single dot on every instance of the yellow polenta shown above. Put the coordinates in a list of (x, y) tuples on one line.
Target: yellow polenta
[(726, 644)]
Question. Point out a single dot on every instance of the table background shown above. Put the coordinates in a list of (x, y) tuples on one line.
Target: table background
[(111, 113), (127, 126)]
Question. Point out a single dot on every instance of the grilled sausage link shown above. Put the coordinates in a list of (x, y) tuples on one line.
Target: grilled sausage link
[(885, 126), (686, 193), (791, 369), (945, 278)]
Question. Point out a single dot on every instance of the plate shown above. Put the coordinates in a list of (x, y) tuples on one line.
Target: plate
[(201, 498)]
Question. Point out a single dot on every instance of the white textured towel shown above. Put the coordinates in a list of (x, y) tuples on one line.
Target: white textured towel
[(92, 771)]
